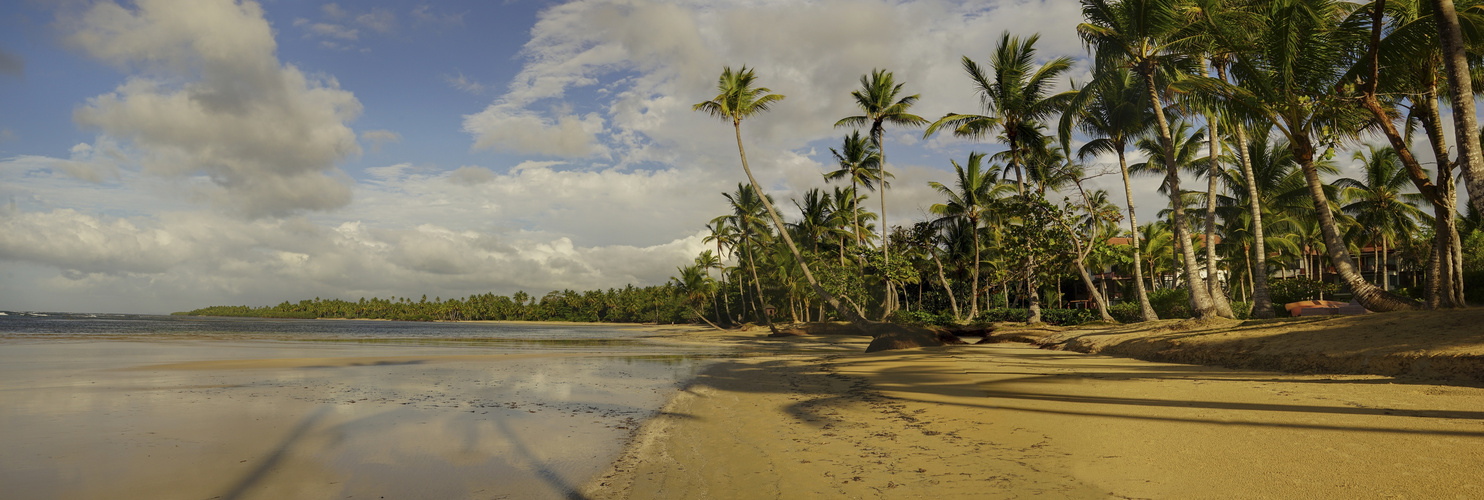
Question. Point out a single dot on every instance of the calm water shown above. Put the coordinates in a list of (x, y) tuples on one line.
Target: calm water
[(136, 406)]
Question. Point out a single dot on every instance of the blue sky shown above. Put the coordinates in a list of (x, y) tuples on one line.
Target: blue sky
[(163, 155)]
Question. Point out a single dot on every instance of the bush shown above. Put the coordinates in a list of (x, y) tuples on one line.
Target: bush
[(1063, 317), (1473, 286), (1170, 302), (1242, 310), (921, 318), (1295, 289), (1125, 312)]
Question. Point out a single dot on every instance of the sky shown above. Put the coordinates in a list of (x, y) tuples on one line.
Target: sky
[(165, 155)]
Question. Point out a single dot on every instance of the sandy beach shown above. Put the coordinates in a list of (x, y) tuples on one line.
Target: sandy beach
[(1014, 421)]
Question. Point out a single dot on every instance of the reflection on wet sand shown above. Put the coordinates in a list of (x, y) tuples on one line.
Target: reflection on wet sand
[(248, 420)]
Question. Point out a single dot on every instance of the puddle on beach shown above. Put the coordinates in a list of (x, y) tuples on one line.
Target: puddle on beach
[(272, 419)]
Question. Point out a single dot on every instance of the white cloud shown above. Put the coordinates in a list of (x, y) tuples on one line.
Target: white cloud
[(508, 128), (464, 83)]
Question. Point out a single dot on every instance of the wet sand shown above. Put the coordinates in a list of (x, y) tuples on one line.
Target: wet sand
[(1013, 421), (200, 419)]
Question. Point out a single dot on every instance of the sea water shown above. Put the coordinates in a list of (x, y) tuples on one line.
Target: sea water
[(135, 406)]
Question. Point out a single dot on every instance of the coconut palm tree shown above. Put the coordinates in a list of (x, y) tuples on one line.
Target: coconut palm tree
[(739, 98), (879, 105), (974, 191), (860, 161), (747, 214), (1147, 37), (1115, 114), (1287, 71), (1016, 97), (1376, 201), (725, 236), (695, 286)]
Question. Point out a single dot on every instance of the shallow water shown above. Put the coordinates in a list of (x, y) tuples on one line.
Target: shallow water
[(163, 407)]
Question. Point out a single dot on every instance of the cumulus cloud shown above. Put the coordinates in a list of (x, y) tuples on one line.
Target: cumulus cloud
[(508, 128), (210, 99)]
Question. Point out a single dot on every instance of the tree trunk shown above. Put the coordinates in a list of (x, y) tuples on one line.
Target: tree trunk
[(852, 316), (1460, 92), (974, 303), (1198, 295), (760, 308), (1146, 311), (1213, 284), (1368, 295), (1034, 299), (1445, 205), (952, 302), (1262, 301)]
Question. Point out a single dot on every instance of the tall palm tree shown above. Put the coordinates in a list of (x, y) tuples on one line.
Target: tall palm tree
[(973, 192), (1115, 114), (1287, 70), (725, 236), (1147, 36), (879, 105), (707, 261), (846, 217), (738, 98), (1460, 92), (860, 161), (1015, 98), (1377, 202)]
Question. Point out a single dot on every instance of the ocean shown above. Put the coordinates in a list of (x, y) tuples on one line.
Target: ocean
[(140, 406)]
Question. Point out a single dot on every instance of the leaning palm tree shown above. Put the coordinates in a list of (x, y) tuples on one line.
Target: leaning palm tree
[(1147, 36), (1377, 202), (860, 161), (1287, 71), (1116, 115), (879, 105), (738, 98), (974, 190), (695, 286), (747, 208)]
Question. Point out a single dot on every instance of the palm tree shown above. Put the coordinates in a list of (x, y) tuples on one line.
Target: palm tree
[(1017, 97), (1287, 70), (747, 208), (725, 236), (1377, 201), (1460, 92), (707, 261), (1146, 37), (974, 190), (736, 99), (1114, 113), (879, 105), (695, 285), (860, 161)]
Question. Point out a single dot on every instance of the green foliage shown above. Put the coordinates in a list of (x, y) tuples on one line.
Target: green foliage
[(1473, 252), (1295, 289), (665, 304), (1063, 317), (1125, 312), (1170, 302), (919, 317)]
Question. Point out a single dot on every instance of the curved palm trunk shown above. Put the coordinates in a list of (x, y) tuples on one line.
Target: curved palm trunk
[(952, 302), (852, 316), (759, 308), (1213, 285), (1368, 295), (1199, 297), (1146, 311), (1262, 297), (1092, 290), (1460, 91)]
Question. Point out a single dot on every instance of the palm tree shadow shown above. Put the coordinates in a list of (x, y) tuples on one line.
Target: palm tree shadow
[(266, 466)]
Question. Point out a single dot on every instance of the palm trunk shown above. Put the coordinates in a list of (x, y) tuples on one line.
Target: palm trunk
[(1445, 204), (1460, 91), (1262, 301), (1368, 295), (952, 302), (1146, 311), (974, 302), (1213, 285), (852, 316), (1198, 294), (1034, 295), (760, 308)]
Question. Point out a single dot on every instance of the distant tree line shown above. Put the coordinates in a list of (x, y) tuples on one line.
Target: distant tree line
[(650, 304)]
